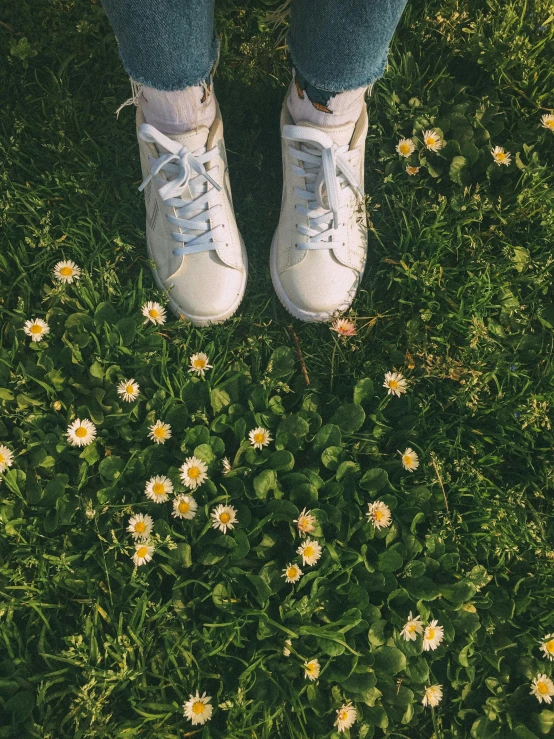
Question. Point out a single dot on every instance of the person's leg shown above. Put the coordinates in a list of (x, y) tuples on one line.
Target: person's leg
[(318, 254)]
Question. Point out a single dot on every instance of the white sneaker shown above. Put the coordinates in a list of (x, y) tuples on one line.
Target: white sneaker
[(319, 250), (191, 232)]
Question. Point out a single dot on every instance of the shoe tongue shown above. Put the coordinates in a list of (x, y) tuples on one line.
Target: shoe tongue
[(193, 140), (341, 135)]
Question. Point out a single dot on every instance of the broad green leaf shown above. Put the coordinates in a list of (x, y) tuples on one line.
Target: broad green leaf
[(389, 661), (349, 417)]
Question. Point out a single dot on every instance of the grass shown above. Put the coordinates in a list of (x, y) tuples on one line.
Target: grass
[(457, 296)]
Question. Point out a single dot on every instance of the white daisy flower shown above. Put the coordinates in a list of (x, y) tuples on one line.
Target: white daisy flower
[(312, 669), (129, 390), (160, 432), (158, 489), (305, 522), (81, 433), (547, 644), (154, 313), (193, 472), (432, 140), (140, 526), (292, 573), (259, 437), (286, 650), (405, 147), (224, 517), (199, 363), (36, 329), (433, 636), (226, 466), (412, 170), (143, 553), (198, 708), (346, 717), (542, 688), (412, 628), (432, 696), (67, 271), (500, 156), (410, 459), (379, 514), (343, 327), (310, 551), (548, 121), (184, 506), (6, 458), (396, 383)]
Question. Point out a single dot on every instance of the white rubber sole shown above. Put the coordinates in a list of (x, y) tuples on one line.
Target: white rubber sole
[(287, 303), (197, 320)]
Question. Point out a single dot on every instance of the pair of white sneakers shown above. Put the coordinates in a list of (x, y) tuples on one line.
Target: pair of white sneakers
[(318, 251)]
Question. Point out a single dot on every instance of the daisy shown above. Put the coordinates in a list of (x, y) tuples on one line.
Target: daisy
[(292, 573), (36, 329), (548, 121), (396, 383), (226, 466), (500, 156), (379, 514), (405, 147), (224, 517), (432, 140), (6, 458), (305, 522), (158, 489), (542, 688), (81, 433), (129, 390), (67, 271), (154, 313), (286, 650), (433, 636), (193, 472), (412, 170), (312, 669), (343, 327), (199, 363), (198, 708), (140, 526), (547, 644), (410, 459), (160, 432), (310, 551), (184, 506), (143, 553), (432, 696), (259, 437), (346, 717), (412, 628)]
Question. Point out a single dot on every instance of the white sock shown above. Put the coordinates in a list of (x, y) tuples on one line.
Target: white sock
[(179, 111), (324, 109)]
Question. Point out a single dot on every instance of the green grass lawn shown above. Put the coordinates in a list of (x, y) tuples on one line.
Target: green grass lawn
[(457, 297)]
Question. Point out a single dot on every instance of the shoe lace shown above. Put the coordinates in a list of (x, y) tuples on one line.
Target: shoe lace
[(195, 217), (328, 172)]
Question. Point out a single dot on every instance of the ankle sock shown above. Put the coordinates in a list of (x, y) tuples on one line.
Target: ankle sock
[(321, 107), (180, 110)]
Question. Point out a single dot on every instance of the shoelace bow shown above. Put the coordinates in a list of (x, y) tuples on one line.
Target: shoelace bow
[(193, 216), (327, 170)]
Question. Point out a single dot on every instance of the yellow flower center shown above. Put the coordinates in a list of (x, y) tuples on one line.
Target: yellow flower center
[(159, 488), (430, 634), (198, 707), (407, 460), (310, 667), (404, 148), (412, 628), (430, 141), (80, 432), (542, 687), (140, 526), (153, 313), (549, 644), (500, 156), (550, 123), (378, 515), (142, 552), (393, 384), (2, 458), (184, 506), (199, 363), (224, 517), (259, 437), (66, 271), (159, 432), (304, 523), (193, 472), (343, 715), (309, 551), (291, 572), (36, 328), (129, 390)]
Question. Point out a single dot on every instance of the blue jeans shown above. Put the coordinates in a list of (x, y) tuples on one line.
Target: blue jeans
[(335, 44)]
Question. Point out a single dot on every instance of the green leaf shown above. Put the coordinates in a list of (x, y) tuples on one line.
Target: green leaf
[(264, 483), (389, 661), (359, 682), (328, 435), (205, 453), (349, 417), (127, 328), (374, 480), (281, 363), (283, 510), (363, 391), (331, 457), (219, 399), (389, 561), (182, 554), (376, 633), (261, 588), (20, 706), (294, 425), (211, 554), (457, 166), (104, 313), (282, 460), (111, 467)]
